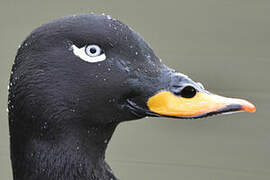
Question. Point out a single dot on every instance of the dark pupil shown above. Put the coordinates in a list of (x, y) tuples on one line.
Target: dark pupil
[(93, 50), (188, 92)]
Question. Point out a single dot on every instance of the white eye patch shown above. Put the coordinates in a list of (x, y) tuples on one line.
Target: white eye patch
[(90, 53)]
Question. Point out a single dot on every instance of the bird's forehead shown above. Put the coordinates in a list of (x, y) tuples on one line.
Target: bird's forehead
[(106, 31), (86, 27), (96, 28)]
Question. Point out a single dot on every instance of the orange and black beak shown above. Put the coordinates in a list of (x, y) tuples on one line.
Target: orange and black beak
[(201, 104), (175, 95), (187, 99)]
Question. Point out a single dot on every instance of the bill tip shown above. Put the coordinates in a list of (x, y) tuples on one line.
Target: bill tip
[(249, 107)]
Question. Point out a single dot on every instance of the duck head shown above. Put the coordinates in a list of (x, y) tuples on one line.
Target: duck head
[(86, 71)]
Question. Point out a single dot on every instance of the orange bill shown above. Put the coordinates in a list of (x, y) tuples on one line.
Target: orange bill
[(201, 105)]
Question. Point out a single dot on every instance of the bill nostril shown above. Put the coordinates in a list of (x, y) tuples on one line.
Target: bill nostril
[(186, 92)]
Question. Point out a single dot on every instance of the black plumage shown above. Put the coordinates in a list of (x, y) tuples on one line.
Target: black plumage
[(63, 110)]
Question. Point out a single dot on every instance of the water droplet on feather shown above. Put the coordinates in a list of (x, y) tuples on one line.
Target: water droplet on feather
[(109, 17)]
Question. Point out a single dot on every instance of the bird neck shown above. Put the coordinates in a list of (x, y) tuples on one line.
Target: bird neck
[(78, 154)]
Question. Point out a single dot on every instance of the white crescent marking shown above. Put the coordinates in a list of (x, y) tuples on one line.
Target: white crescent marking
[(80, 52)]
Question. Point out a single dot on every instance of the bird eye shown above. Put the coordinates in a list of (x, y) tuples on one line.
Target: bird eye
[(92, 50), (90, 53)]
